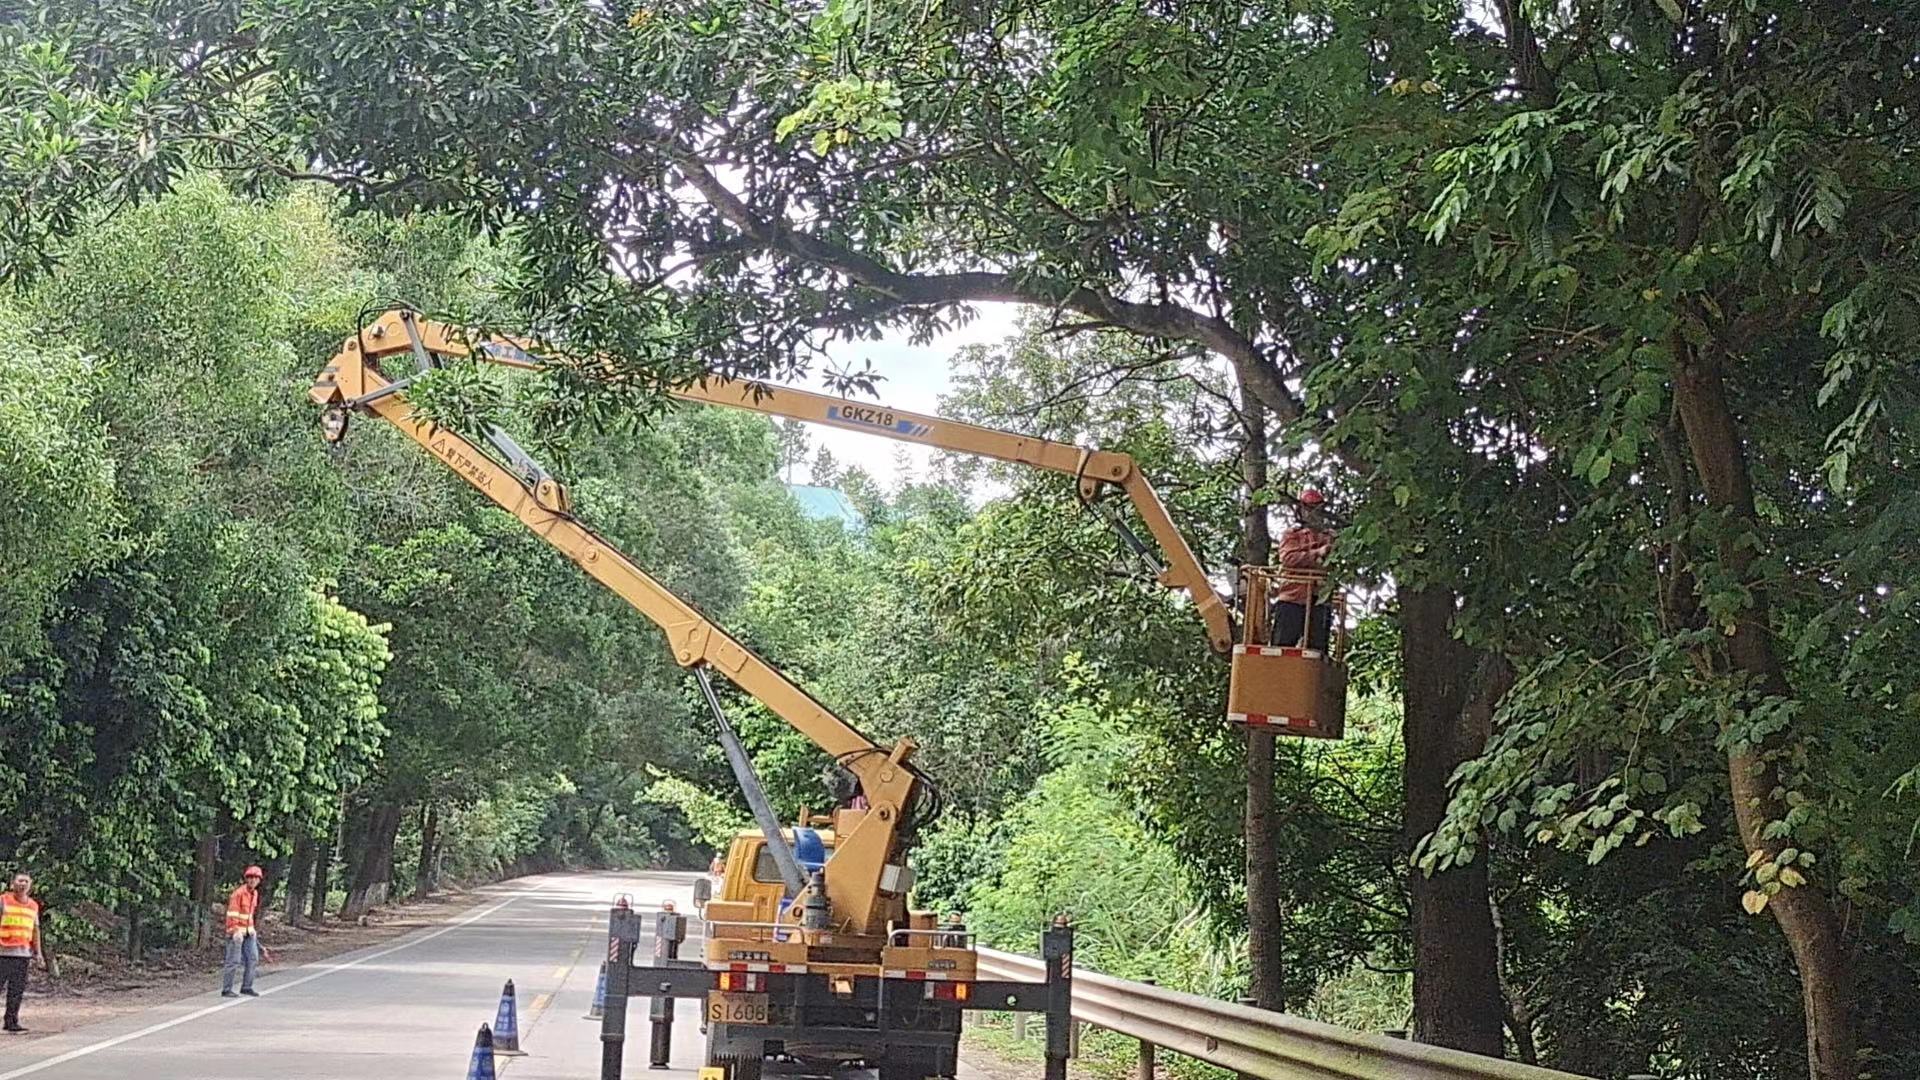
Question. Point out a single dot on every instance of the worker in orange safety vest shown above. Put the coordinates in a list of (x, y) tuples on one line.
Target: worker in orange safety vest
[(244, 950), (1304, 547), (19, 943)]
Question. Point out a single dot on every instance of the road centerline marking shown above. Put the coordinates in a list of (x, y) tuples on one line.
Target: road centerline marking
[(560, 973)]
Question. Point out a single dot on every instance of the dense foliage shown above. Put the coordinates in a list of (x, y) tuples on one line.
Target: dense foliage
[(223, 646), (1593, 317)]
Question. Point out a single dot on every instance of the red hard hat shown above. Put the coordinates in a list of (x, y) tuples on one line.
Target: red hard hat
[(254, 871), (1312, 497)]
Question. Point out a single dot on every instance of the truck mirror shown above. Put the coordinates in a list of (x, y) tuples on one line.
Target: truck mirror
[(702, 891)]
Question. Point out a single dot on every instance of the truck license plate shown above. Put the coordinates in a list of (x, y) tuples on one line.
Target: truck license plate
[(725, 1008)]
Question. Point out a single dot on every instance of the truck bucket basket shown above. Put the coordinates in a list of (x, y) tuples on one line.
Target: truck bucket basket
[(1289, 671)]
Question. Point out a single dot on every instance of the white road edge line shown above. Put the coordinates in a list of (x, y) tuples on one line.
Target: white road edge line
[(324, 970)]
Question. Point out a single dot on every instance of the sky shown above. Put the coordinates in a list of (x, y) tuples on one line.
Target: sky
[(915, 376)]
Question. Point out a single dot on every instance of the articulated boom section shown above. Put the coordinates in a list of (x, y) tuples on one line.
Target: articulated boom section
[(865, 914), (1289, 688), (1096, 471)]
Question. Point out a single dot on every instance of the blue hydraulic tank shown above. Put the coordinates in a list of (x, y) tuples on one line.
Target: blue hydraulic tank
[(809, 849)]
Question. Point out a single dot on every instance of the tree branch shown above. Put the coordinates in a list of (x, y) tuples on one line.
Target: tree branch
[(1164, 320)]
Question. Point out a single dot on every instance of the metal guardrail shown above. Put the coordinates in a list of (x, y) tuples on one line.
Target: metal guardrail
[(1255, 1042)]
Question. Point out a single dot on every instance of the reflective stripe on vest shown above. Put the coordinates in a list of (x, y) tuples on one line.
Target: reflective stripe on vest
[(240, 907), (18, 920)]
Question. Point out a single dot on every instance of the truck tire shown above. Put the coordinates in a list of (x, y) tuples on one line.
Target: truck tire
[(738, 1068), (741, 1058), (903, 1068)]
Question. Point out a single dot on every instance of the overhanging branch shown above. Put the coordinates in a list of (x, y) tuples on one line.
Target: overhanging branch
[(1164, 320)]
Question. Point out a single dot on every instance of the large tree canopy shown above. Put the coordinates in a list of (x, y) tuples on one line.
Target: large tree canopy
[(1593, 315)]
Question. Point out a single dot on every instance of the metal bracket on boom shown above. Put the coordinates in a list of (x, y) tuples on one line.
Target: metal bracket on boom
[(1089, 489), (531, 472)]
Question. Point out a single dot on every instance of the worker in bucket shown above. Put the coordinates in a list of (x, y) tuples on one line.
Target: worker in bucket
[(1304, 548)]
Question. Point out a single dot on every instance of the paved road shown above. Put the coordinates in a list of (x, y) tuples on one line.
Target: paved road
[(401, 1010)]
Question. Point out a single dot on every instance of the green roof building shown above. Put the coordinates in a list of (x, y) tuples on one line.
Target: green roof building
[(828, 504)]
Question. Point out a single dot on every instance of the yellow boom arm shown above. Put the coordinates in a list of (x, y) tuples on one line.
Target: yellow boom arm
[(1095, 470), (857, 868)]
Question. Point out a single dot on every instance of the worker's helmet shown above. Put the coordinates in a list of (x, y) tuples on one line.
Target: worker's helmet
[(254, 872), (1311, 497)]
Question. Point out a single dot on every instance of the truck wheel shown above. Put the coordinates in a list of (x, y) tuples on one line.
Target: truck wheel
[(904, 1069), (739, 1066)]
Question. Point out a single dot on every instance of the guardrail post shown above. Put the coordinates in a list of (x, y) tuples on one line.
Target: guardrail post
[(623, 940), (1056, 951), (1248, 1002), (1020, 1026), (1143, 1068), (669, 930)]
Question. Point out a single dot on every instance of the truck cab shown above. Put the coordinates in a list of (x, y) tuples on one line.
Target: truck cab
[(750, 876)]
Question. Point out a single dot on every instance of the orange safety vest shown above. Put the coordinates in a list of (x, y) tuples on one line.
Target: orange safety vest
[(1302, 548), (19, 921), (240, 909)]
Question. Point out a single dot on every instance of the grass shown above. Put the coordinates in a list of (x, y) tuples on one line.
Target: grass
[(1104, 1055)]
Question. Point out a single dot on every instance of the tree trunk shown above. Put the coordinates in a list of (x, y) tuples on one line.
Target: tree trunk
[(1265, 933), (374, 862), (1519, 1013), (593, 828), (201, 893), (1456, 978), (1265, 930), (136, 929), (48, 950), (1812, 928), (299, 880), (322, 874), (276, 869), (426, 877)]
